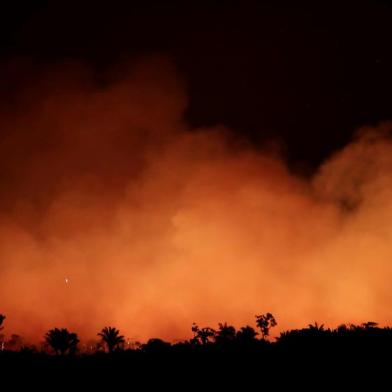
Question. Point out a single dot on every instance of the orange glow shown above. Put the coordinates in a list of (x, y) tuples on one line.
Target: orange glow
[(114, 212)]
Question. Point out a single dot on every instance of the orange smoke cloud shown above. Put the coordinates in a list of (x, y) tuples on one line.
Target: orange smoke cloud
[(114, 212)]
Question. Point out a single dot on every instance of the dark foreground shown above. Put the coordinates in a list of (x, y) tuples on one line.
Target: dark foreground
[(345, 357)]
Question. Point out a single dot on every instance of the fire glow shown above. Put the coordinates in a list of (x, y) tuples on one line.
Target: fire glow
[(114, 212)]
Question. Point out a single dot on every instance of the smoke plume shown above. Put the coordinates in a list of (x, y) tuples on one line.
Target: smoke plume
[(114, 212)]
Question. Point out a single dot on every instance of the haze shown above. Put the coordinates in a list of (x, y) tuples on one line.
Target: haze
[(113, 211)]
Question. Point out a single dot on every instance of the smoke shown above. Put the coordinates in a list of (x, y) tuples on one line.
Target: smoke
[(112, 211)]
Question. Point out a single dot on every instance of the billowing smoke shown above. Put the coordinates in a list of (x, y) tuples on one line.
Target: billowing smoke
[(112, 211)]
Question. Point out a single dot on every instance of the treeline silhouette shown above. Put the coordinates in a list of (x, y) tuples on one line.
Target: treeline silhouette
[(222, 352), (60, 341)]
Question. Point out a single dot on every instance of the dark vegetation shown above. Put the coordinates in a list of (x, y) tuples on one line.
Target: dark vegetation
[(225, 354)]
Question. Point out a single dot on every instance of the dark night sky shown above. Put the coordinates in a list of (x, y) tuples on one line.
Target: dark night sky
[(306, 75)]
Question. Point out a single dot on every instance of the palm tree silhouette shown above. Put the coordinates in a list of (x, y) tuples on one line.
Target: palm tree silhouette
[(62, 341), (316, 327), (202, 335), (111, 337)]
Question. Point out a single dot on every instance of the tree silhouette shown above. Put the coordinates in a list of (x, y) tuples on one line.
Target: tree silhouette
[(342, 329), (112, 338), (226, 333), (246, 335), (265, 322), (156, 346), (62, 341), (369, 325), (2, 318), (15, 342), (202, 335), (316, 327)]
